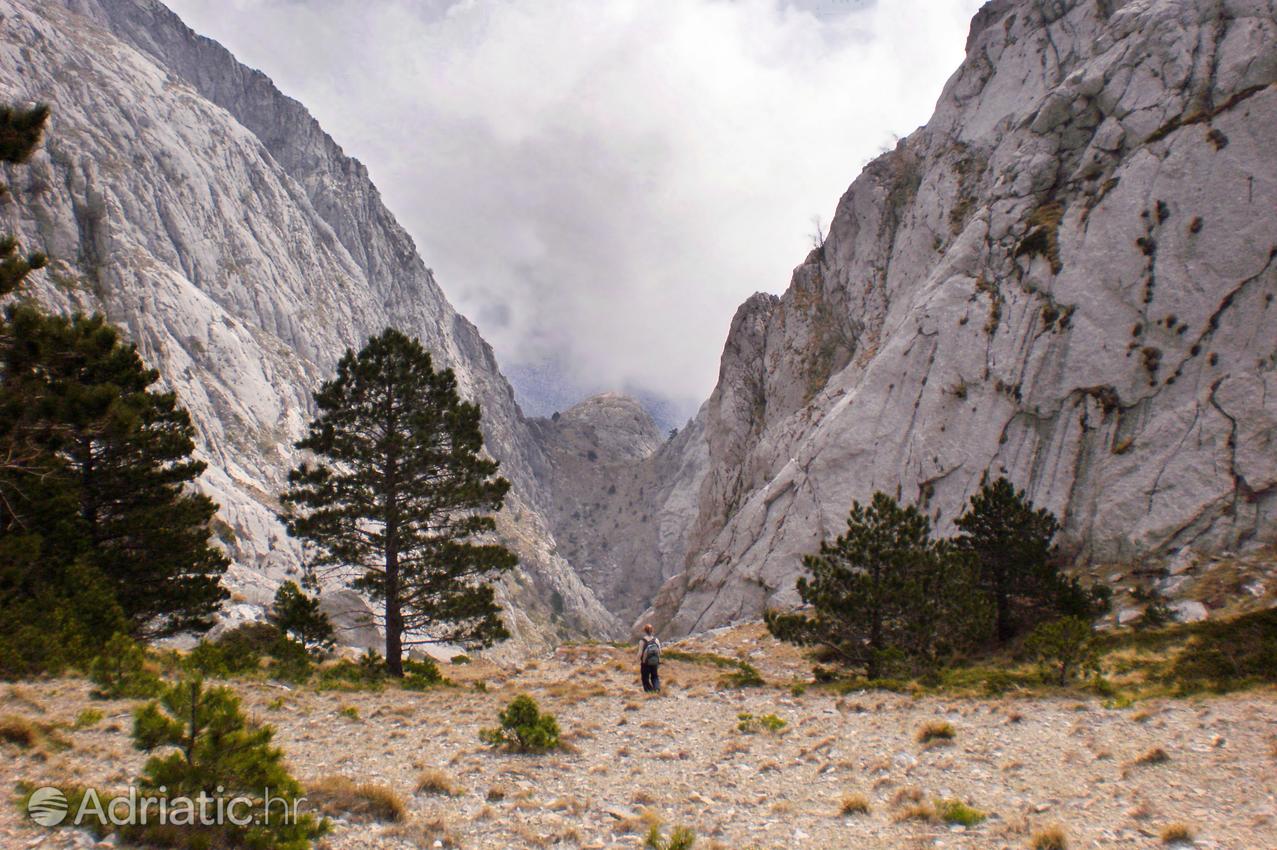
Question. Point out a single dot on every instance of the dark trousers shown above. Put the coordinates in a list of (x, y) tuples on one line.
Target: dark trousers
[(651, 674)]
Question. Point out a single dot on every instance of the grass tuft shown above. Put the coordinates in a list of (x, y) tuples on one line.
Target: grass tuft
[(19, 731), (917, 811), (1049, 838), (854, 804), (360, 801), (1177, 833), (935, 730), (1157, 755), (434, 781)]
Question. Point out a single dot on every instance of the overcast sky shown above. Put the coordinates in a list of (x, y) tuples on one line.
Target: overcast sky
[(599, 183)]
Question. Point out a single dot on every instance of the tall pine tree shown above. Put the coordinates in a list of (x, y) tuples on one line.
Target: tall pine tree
[(398, 493), (883, 590), (1011, 542), (109, 469)]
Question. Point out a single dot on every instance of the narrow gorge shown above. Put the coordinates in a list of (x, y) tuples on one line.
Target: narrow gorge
[(1066, 277)]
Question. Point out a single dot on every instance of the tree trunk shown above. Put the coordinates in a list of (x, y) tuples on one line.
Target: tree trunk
[(1002, 598), (394, 618), (875, 626)]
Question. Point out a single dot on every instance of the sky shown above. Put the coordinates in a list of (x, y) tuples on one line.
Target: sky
[(598, 184)]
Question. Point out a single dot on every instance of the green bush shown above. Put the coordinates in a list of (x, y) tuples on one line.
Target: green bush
[(368, 673), (290, 661), (749, 724), (88, 718), (744, 676), (61, 623), (249, 648), (120, 672), (523, 728), (1064, 648), (421, 675), (956, 811), (237, 651), (211, 749)]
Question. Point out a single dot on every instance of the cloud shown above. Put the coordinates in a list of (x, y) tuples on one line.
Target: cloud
[(599, 183)]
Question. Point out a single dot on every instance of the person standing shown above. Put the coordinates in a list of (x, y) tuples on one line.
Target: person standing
[(650, 660)]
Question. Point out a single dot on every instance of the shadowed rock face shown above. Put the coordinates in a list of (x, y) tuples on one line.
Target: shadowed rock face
[(212, 218), (1066, 277), (624, 496)]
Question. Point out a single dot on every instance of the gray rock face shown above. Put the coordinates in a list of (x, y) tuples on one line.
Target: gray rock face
[(1066, 277), (213, 219), (624, 496)]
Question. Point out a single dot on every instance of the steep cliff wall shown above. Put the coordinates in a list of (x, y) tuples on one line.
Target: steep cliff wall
[(1067, 277), (211, 217)]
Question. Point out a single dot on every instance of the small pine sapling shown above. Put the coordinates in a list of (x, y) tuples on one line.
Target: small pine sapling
[(211, 749), (524, 728)]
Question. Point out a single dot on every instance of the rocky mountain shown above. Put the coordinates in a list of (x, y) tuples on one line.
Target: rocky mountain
[(210, 216), (624, 496), (1066, 277)]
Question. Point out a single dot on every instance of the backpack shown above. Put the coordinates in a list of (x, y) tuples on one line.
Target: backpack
[(652, 652)]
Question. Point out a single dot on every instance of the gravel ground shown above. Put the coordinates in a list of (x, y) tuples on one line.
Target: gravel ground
[(680, 759)]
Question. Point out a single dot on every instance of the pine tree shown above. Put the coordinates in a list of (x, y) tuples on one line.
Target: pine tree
[(1011, 542), (884, 590), (20, 134), (213, 751), (398, 491), (108, 470), (299, 616)]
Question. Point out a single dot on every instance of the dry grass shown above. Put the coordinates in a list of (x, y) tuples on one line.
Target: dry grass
[(644, 821), (906, 795), (435, 781), (854, 804), (571, 805), (935, 731), (426, 833), (917, 811), (1049, 838), (360, 801), (1177, 833), (1156, 755), (40, 739), (19, 731)]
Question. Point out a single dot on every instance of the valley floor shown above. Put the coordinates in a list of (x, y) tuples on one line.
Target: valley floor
[(680, 759)]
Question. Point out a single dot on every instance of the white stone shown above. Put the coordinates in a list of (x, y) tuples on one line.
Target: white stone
[(1129, 615), (1189, 611)]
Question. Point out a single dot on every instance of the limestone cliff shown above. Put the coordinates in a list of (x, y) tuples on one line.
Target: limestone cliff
[(243, 251), (1066, 277)]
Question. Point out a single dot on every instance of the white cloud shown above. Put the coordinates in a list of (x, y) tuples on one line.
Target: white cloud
[(599, 183)]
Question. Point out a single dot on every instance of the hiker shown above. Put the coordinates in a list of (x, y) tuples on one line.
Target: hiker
[(650, 660)]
